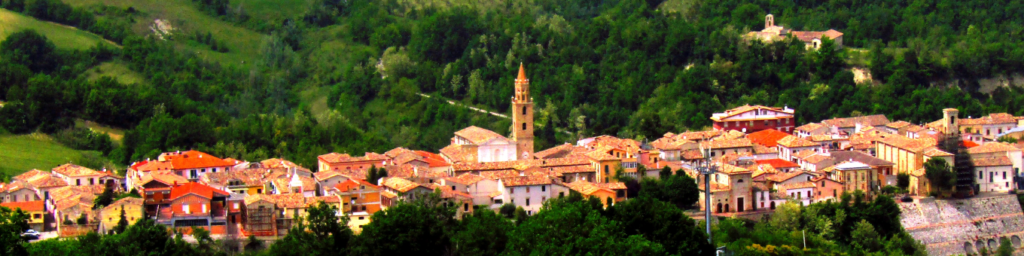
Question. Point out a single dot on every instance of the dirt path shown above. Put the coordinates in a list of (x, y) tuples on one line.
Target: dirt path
[(453, 103)]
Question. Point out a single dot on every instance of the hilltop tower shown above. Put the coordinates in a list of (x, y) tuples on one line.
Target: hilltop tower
[(522, 117)]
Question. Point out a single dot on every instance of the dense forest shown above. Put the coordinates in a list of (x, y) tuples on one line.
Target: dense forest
[(629, 68), (573, 225)]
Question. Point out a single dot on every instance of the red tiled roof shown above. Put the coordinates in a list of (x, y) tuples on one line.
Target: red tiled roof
[(433, 160), (526, 180), (913, 145), (152, 165), (777, 163), (28, 206), (992, 147), (164, 177), (744, 109), (848, 122), (341, 186), (278, 163), (194, 159), (994, 118), (726, 143), (400, 184), (767, 137), (466, 179), (30, 174), (196, 188), (992, 161), (459, 153), (809, 127), (968, 144)]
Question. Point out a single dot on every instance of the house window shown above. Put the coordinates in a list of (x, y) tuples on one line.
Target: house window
[(981, 175), (545, 188), (453, 187), (78, 182), (524, 110), (524, 126), (527, 201), (184, 208), (204, 208), (511, 190), (465, 207), (361, 217), (527, 189), (739, 181), (1004, 175), (92, 181)]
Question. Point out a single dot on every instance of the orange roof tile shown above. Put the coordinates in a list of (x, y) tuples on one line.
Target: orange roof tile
[(994, 118), (477, 135), (249, 177), (992, 147), (777, 163), (194, 159), (898, 124), (933, 152), (29, 174), (47, 181), (991, 161), (396, 151), (849, 122), (913, 145), (165, 177), (72, 170), (767, 137), (809, 127), (526, 180), (346, 158), (400, 184), (433, 160), (726, 143), (715, 187), (345, 185), (28, 206), (585, 187), (152, 165), (466, 179), (278, 163), (803, 153), (459, 153), (729, 169), (692, 154), (798, 185), (758, 149), (796, 142), (968, 144), (196, 188)]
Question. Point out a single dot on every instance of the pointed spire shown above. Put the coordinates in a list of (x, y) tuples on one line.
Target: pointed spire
[(522, 72)]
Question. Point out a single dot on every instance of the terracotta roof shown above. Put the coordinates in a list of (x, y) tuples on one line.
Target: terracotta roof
[(459, 153), (433, 160), (346, 158), (743, 109), (913, 145), (796, 142), (587, 188), (116, 205), (277, 163), (72, 170), (692, 154), (448, 192), (732, 169), (808, 36), (628, 145), (64, 193), (914, 128), (601, 155), (526, 180), (396, 151), (196, 188), (784, 176), (730, 134), (477, 135), (290, 201), (522, 73), (353, 182), (29, 174), (898, 124), (729, 143), (326, 174), (994, 118), (554, 152), (991, 161), (46, 181), (859, 156), (822, 138), (194, 159), (28, 206), (762, 169), (809, 127), (466, 179), (17, 185), (777, 163), (698, 135), (250, 177), (933, 152), (314, 201), (152, 165), (164, 177), (250, 199), (413, 171), (284, 187), (798, 185), (767, 137), (804, 153), (992, 147), (400, 184), (758, 149), (850, 122)]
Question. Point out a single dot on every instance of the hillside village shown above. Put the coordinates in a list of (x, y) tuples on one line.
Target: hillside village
[(763, 158)]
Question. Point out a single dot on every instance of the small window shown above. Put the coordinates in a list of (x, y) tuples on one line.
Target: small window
[(545, 188), (524, 126), (527, 201), (361, 218), (524, 110)]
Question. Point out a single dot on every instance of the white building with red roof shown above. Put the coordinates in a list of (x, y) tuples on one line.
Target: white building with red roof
[(755, 118)]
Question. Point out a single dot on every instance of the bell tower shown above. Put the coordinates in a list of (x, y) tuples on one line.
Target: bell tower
[(522, 117)]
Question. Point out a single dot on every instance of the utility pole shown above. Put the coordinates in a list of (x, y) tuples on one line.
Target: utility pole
[(707, 169)]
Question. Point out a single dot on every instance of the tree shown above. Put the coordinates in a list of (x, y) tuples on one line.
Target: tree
[(508, 210), (122, 224), (371, 175), (903, 181), (204, 243), (12, 224), (29, 48), (567, 226), (786, 216), (864, 236), (421, 226), (106, 198), (662, 223), (939, 174), (665, 172), (321, 225), (253, 244), (482, 233)]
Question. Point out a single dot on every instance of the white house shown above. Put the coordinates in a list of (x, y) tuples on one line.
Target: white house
[(490, 146), (528, 191)]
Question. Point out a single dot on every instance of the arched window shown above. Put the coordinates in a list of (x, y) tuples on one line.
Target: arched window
[(739, 181), (524, 110), (524, 126)]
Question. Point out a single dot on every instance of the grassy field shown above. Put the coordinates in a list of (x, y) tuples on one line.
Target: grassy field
[(244, 44), (116, 134), (272, 9), (117, 70), (62, 36), (20, 153)]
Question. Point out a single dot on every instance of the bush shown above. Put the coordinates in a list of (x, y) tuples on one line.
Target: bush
[(85, 139)]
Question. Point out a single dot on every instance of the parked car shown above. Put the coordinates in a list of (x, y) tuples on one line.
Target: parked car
[(30, 234)]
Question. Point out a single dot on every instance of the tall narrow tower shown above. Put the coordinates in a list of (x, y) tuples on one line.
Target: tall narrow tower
[(522, 117)]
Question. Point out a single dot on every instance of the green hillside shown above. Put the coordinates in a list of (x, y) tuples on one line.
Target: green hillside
[(19, 153), (60, 35), (186, 20), (117, 70)]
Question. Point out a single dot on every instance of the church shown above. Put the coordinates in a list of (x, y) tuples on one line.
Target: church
[(812, 39), (478, 145)]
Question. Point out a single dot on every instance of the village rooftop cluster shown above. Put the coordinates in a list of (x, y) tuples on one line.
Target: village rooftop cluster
[(762, 156)]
